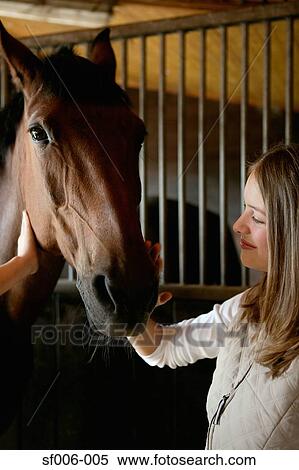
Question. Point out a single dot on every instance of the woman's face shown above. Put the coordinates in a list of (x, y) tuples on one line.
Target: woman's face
[(252, 227)]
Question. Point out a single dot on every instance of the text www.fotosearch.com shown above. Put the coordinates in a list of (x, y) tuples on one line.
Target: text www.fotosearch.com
[(159, 460), (112, 460)]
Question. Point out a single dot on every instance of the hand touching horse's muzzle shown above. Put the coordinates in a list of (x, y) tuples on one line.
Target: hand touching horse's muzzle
[(115, 308)]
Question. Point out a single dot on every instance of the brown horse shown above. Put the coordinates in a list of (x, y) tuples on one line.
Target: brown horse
[(70, 146)]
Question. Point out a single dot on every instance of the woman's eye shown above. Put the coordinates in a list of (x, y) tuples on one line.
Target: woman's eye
[(38, 134), (257, 221)]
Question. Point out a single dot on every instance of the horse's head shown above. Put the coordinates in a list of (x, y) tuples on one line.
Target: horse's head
[(76, 155)]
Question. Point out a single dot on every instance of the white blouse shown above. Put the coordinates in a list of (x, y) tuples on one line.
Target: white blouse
[(202, 337)]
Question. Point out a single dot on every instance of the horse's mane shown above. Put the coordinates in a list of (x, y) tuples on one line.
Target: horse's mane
[(67, 76)]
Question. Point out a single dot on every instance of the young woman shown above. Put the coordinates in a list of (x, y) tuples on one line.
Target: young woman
[(26, 261), (253, 402)]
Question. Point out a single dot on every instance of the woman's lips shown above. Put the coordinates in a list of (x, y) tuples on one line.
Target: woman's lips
[(245, 245)]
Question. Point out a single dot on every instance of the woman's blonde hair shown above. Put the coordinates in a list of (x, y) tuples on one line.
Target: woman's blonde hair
[(274, 302)]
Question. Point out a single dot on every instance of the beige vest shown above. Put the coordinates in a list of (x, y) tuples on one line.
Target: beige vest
[(246, 408)]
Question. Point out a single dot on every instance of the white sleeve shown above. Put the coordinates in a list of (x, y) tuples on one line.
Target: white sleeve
[(196, 338)]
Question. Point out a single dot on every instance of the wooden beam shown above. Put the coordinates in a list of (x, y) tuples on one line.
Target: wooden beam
[(185, 23), (190, 4), (213, 5), (68, 291), (48, 13)]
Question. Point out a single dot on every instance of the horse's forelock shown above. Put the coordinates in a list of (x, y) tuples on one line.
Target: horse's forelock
[(68, 75)]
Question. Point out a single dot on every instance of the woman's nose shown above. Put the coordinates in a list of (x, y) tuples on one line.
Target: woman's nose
[(240, 225)]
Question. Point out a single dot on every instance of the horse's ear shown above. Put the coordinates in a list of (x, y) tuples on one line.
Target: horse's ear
[(102, 53), (22, 63)]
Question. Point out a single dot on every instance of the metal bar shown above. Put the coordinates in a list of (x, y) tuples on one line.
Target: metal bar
[(19, 424), (57, 322), (202, 292), (5, 80), (71, 273), (142, 114), (243, 128), (266, 85), (249, 14), (161, 157), (181, 157), (289, 80), (201, 156), (124, 63), (222, 153), (69, 292)]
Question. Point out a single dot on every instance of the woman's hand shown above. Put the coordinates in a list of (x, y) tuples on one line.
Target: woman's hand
[(148, 341), (154, 252), (27, 249), (26, 261)]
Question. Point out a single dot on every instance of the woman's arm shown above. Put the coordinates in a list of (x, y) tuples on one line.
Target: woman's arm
[(26, 261), (148, 341), (187, 341)]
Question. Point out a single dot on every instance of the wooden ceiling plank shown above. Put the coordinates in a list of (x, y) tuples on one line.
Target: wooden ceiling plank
[(48, 13)]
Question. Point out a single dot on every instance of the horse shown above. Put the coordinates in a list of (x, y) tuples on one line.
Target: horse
[(73, 166), (70, 144)]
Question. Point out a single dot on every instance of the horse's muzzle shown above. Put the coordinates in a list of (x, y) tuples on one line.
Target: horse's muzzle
[(115, 308)]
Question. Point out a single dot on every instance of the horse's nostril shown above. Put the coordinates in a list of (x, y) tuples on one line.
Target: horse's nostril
[(100, 289), (124, 300), (98, 282)]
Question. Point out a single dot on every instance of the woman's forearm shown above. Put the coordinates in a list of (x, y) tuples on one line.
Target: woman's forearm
[(147, 342), (12, 272)]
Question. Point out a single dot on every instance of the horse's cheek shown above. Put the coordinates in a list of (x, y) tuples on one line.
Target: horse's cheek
[(54, 188)]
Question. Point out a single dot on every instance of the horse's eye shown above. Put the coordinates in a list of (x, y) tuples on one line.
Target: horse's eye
[(38, 134)]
